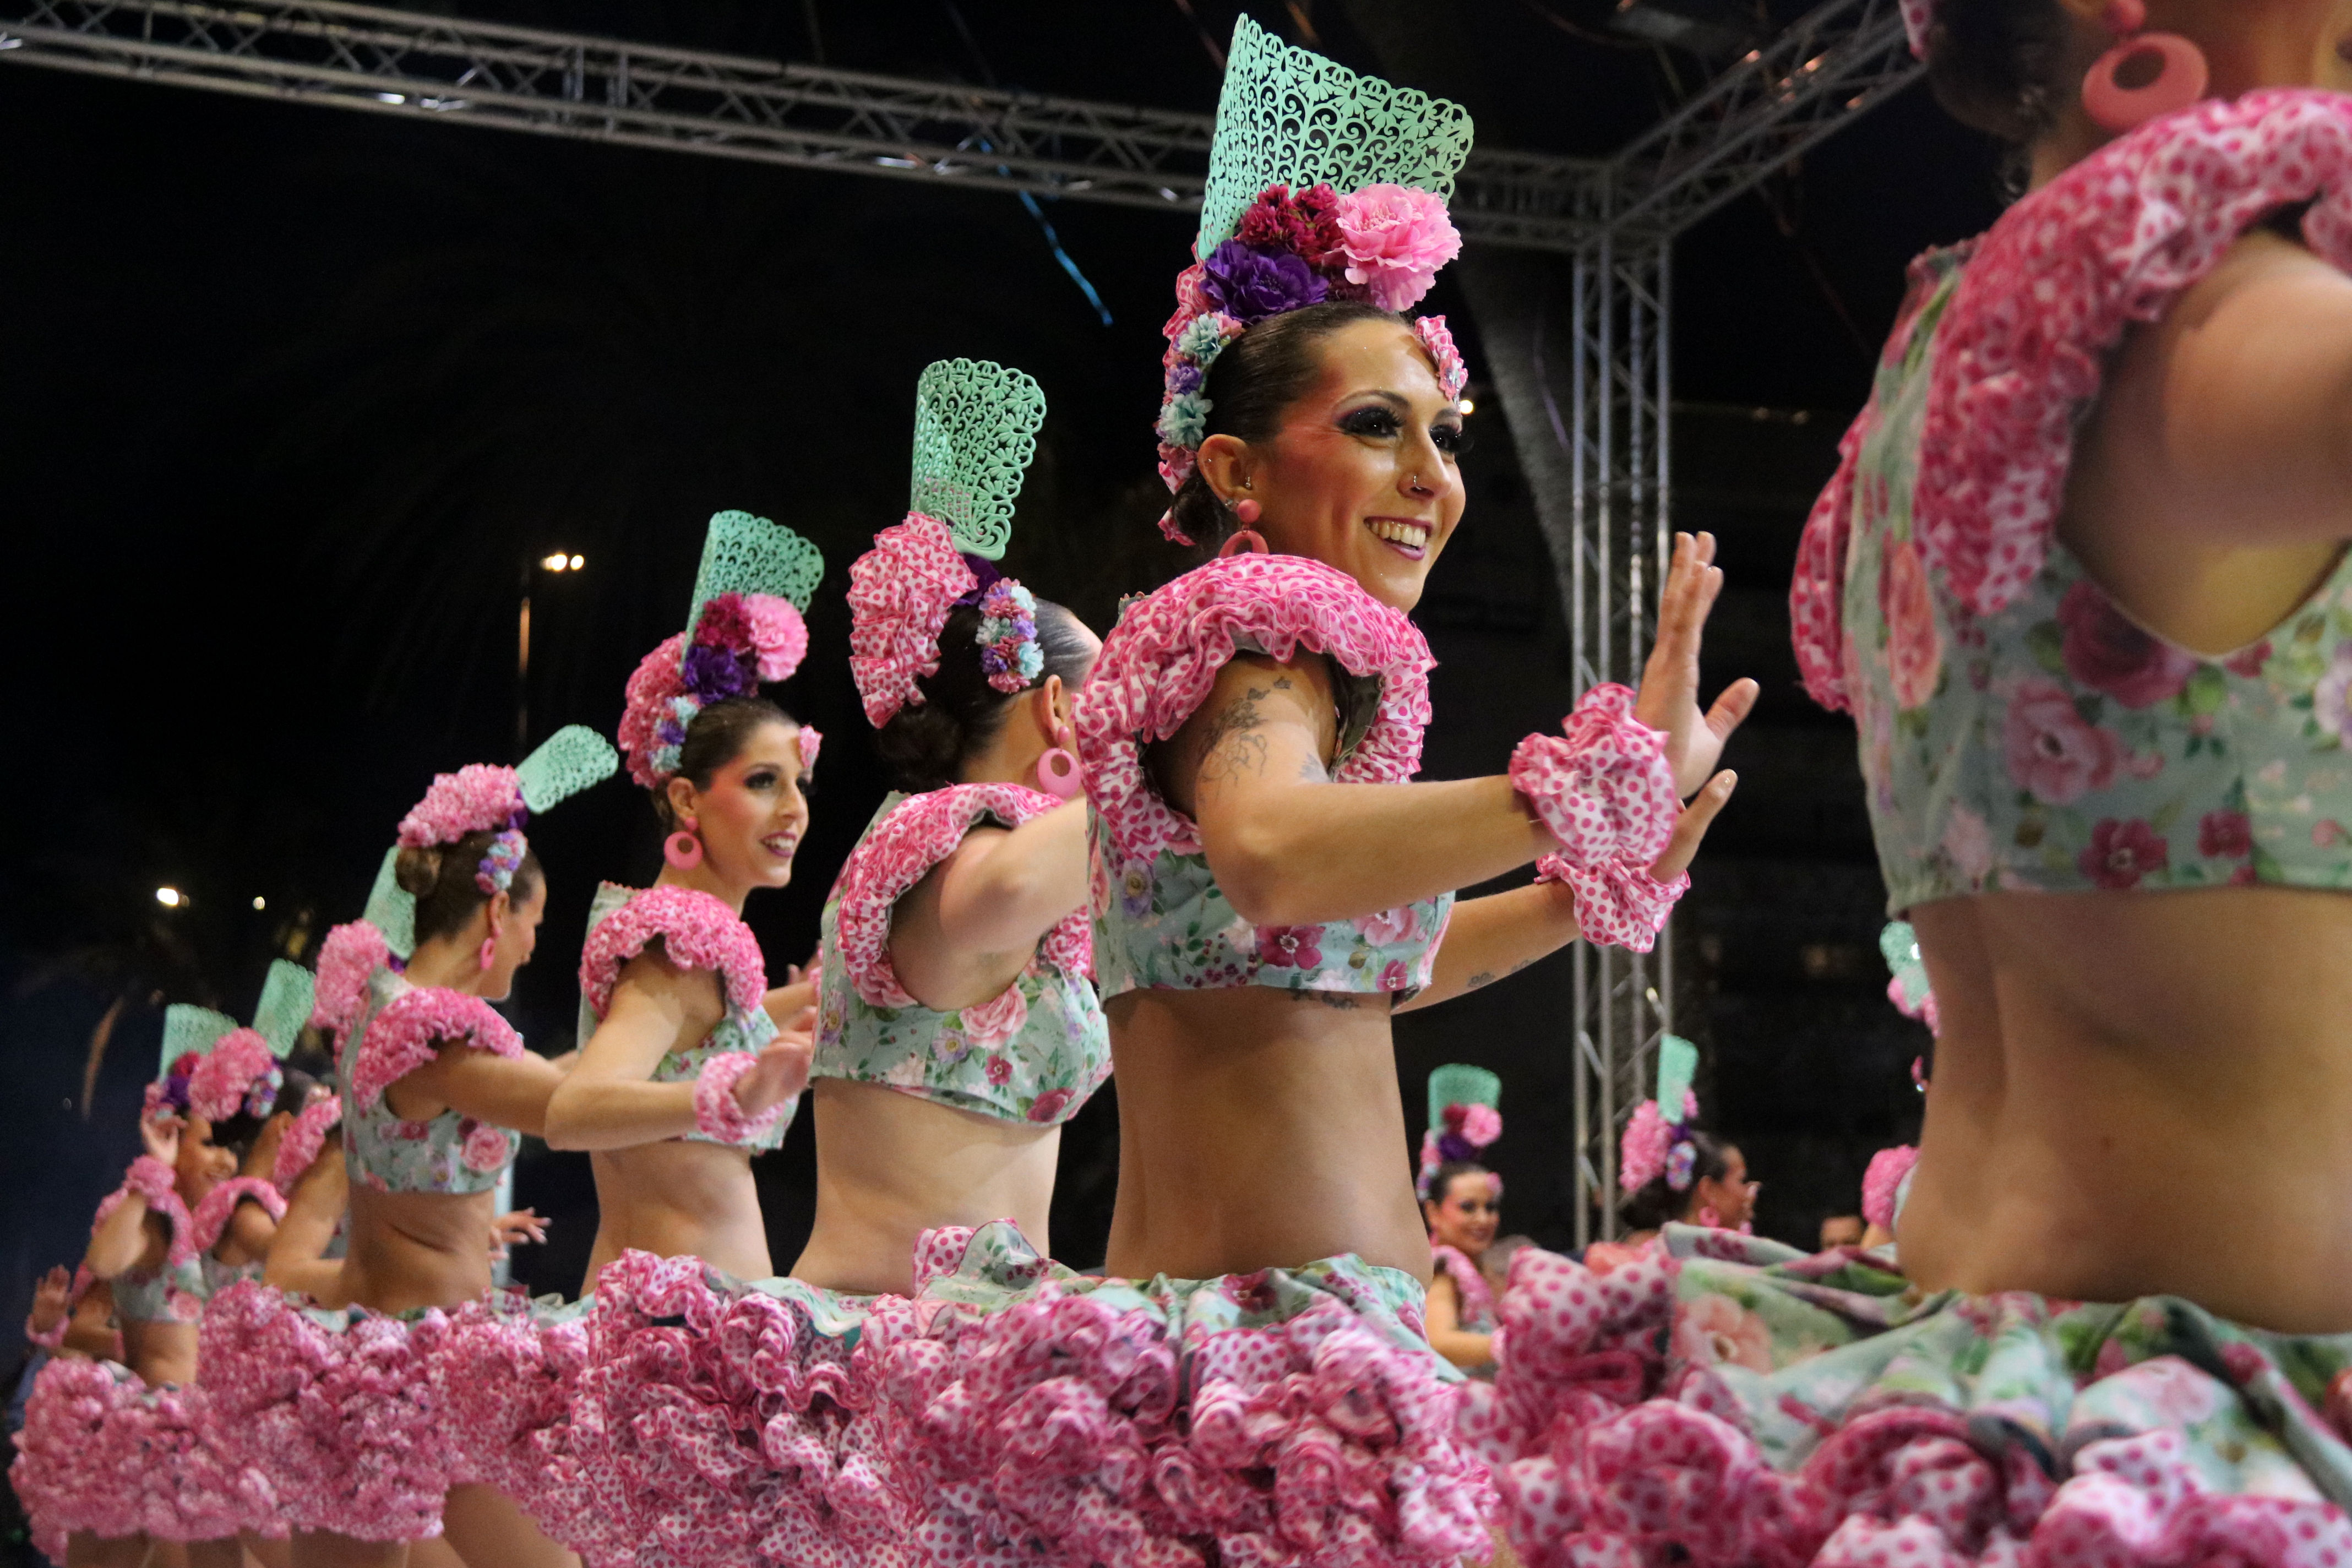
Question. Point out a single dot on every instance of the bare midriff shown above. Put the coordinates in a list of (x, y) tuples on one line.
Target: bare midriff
[(160, 1352), (891, 1167), (407, 1250), (1258, 1129), (679, 1199), (2141, 1094)]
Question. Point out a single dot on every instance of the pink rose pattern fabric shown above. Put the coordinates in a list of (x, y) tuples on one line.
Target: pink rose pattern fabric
[(697, 931), (1724, 1401), (1287, 1416), (1035, 1053), (1603, 789), (2019, 730), (404, 1027), (1159, 919)]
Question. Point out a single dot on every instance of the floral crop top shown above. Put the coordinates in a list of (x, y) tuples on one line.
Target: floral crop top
[(2019, 730), (1161, 920), (697, 931), (401, 1028), (1035, 1053)]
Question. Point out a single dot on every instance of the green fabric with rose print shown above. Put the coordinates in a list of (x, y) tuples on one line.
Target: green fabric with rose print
[(1038, 1060), (2058, 746)]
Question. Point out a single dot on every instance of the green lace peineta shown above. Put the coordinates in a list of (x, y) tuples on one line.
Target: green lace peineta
[(188, 1028), (566, 763), (392, 909), (975, 434), (285, 1004), (1292, 117), (1677, 1066), (746, 555), (1461, 1085)]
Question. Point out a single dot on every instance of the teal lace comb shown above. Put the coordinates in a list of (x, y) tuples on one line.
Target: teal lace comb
[(188, 1028), (391, 908), (285, 1004), (566, 763), (1460, 1085), (975, 435), (746, 555)]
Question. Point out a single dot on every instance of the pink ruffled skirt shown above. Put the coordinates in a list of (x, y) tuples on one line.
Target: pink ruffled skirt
[(103, 1452), (1287, 1416), (1727, 1403), (682, 1416), (336, 1409)]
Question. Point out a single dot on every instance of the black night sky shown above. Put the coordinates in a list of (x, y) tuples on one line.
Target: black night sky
[(290, 397)]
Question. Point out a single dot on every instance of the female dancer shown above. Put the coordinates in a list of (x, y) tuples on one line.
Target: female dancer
[(1268, 888), (1672, 1173), (2081, 579), (337, 1407), (118, 1456), (1462, 1203)]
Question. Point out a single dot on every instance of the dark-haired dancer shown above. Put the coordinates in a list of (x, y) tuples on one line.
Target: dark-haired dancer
[(2081, 581), (1462, 1203), (339, 1406), (1254, 1383)]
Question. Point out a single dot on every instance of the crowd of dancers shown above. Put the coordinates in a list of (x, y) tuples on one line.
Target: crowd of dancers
[(2080, 580)]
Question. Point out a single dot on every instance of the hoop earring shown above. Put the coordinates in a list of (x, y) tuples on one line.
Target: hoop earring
[(2182, 74), (1708, 1217), (487, 953), (1249, 537), (1057, 770), (683, 849)]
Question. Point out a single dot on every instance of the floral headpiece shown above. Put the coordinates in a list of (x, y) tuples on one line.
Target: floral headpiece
[(1296, 213), (744, 628), (975, 433), (1908, 990), (1463, 1120), (1656, 1144), (213, 1067), (483, 798), (1918, 21)]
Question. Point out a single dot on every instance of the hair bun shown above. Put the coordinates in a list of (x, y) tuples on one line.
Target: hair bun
[(418, 870)]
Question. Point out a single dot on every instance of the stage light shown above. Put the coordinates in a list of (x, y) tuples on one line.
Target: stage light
[(171, 898), (1467, 405), (259, 903), (556, 563), (578, 561)]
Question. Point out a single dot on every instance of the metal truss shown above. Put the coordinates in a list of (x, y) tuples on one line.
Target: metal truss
[(1615, 218)]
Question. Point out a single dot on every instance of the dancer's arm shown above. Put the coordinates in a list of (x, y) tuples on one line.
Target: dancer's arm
[(1442, 1313), (505, 1092), (1502, 933), (250, 1232), (298, 1255), (1290, 847), (133, 1235), (964, 933), (609, 1101)]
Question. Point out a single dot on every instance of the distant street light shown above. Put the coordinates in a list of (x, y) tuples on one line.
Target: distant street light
[(259, 903), (559, 561), (171, 898)]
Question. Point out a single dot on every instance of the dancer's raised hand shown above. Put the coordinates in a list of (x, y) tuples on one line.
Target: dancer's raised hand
[(160, 1135), (1668, 698)]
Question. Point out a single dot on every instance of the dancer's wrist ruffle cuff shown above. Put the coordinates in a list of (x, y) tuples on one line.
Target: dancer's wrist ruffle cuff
[(1602, 789), (718, 1114), (212, 1215), (152, 1180)]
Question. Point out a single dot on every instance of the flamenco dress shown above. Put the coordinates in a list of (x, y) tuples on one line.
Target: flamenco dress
[(106, 1453), (340, 1407), (1727, 1400)]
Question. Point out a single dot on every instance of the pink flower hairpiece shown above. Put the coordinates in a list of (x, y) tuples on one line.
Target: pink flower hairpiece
[(1918, 22), (901, 592), (1383, 243), (239, 1073), (480, 797), (1467, 1130), (738, 641), (1648, 1149)]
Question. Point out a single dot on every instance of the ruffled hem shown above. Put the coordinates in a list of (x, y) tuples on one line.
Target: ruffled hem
[(1285, 1416), (697, 931), (103, 1452), (348, 961), (153, 1181), (410, 1031), (335, 1408), (722, 1423), (900, 850), (1724, 1402), (1160, 662), (506, 1372), (298, 1150), (212, 1215)]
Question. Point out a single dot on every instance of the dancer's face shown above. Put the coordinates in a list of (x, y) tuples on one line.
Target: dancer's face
[(1465, 1217), (1731, 1195), (515, 924), (753, 815), (2260, 43), (202, 1164), (1362, 474)]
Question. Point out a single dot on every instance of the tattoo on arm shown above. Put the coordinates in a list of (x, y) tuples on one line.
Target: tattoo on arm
[(1233, 745)]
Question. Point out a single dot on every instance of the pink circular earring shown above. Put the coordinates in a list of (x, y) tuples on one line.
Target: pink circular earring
[(1245, 512), (1057, 770), (683, 849), (2181, 73), (1709, 1217), (488, 953)]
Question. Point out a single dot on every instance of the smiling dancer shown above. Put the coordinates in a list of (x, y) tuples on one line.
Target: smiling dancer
[(1252, 1383), (690, 1064), (2081, 581), (337, 1406), (117, 1456), (1462, 1203)]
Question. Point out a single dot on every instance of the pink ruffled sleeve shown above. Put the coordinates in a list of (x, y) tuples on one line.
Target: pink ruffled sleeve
[(348, 960), (697, 931), (1603, 788), (1882, 1180), (411, 1029), (298, 1150), (213, 1214), (1160, 662), (901, 851), (152, 1180)]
